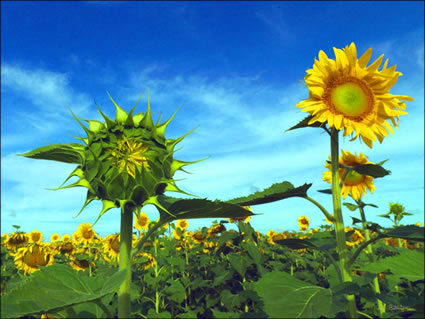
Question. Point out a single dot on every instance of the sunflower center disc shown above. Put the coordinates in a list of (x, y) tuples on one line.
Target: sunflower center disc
[(351, 98), (353, 178)]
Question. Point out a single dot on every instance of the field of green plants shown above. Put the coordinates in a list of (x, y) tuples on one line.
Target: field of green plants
[(211, 273)]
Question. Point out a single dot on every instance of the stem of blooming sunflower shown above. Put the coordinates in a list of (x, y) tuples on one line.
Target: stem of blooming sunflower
[(339, 222), (125, 263), (376, 288)]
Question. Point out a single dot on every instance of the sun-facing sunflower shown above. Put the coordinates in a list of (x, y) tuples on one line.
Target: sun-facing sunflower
[(111, 246), (346, 94), (35, 237), (182, 224), (354, 184), (30, 258), (87, 234), (55, 237), (303, 222), (142, 222)]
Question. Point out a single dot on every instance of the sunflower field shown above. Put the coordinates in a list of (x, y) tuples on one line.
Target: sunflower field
[(210, 273), (159, 269)]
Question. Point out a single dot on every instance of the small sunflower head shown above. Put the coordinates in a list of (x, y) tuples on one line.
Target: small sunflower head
[(354, 184), (126, 162)]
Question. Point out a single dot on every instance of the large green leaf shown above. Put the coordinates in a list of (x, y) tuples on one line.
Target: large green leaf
[(287, 297), (55, 288), (410, 232), (409, 265), (198, 208), (58, 152), (274, 193)]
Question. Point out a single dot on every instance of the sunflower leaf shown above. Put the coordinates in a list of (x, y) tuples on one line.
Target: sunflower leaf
[(58, 287), (371, 170), (273, 193), (304, 123)]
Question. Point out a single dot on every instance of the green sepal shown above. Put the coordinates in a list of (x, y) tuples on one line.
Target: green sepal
[(76, 172), (147, 121), (89, 198), (95, 126), (160, 130), (121, 115), (107, 205), (177, 165), (153, 200), (109, 122), (130, 120), (172, 187), (56, 152), (85, 140), (81, 182), (138, 118), (139, 195), (170, 144), (90, 134), (115, 188)]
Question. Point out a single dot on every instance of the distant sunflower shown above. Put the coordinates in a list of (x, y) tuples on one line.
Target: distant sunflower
[(111, 246), (35, 237), (81, 264), (87, 234), (354, 183), (356, 238), (30, 258), (149, 263), (303, 222), (198, 238), (348, 95), (17, 240), (216, 229), (182, 224), (142, 222), (55, 237), (275, 237)]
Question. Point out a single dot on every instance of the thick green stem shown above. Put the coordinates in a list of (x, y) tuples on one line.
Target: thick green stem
[(125, 263), (375, 285), (339, 222)]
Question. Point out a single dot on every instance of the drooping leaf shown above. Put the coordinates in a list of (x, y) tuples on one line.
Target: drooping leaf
[(350, 206), (273, 193), (287, 297), (199, 208), (371, 170)]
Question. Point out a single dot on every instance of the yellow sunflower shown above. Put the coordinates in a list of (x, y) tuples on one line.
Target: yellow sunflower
[(303, 222), (355, 184), (81, 264), (35, 237), (149, 263), (356, 238), (16, 240), (141, 222), (30, 258), (111, 246), (275, 237), (182, 224), (216, 229), (198, 238), (55, 237), (327, 220), (348, 95), (87, 234)]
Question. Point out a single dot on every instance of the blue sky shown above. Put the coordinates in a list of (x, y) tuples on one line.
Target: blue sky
[(235, 67)]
